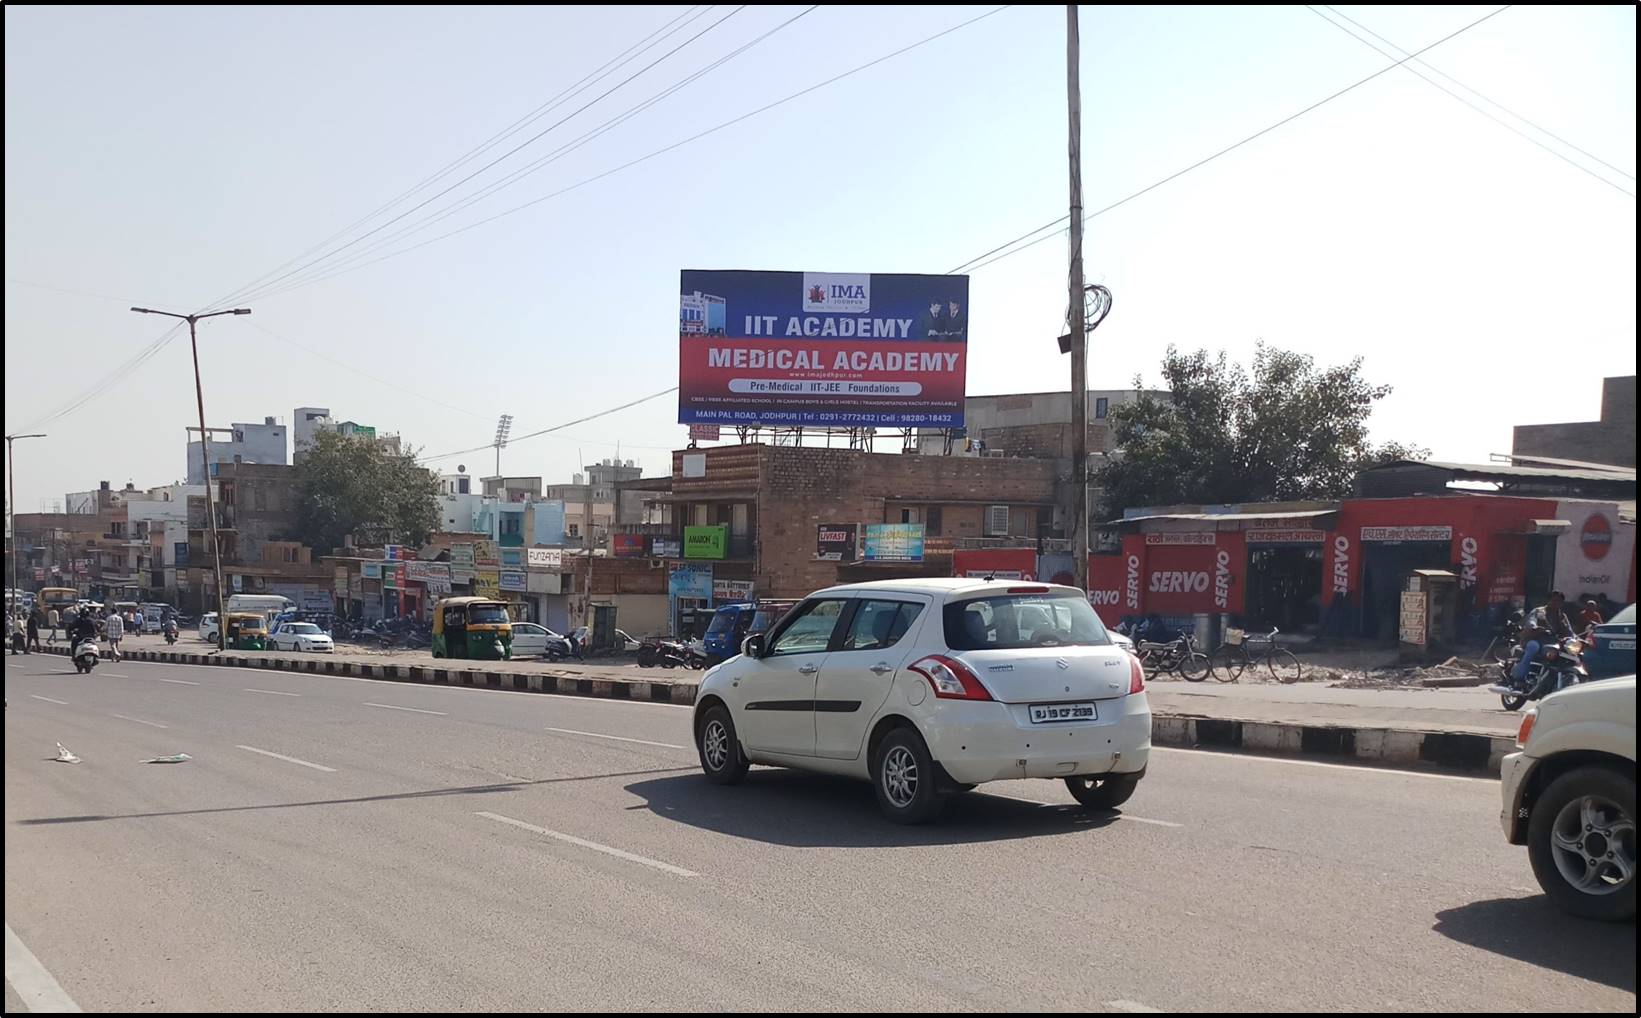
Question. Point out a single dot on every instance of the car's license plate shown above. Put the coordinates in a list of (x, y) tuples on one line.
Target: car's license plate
[(1045, 713)]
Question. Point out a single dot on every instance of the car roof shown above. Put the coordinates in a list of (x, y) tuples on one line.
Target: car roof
[(946, 586)]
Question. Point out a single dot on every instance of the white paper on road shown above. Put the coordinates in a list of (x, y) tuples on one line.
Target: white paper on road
[(173, 758), (64, 756)]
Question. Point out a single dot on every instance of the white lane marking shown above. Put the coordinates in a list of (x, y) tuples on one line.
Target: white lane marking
[(1120, 816), (287, 759), (114, 675), (174, 682), (47, 699), (1365, 767), (40, 991), (140, 721), (271, 692), (617, 738), (665, 867), (1133, 1007), (413, 710)]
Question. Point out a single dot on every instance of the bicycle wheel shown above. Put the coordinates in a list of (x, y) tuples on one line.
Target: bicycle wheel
[(1228, 662), (1195, 666), (1284, 666)]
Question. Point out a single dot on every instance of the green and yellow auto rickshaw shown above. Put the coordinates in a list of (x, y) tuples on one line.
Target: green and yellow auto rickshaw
[(477, 628), (247, 631)]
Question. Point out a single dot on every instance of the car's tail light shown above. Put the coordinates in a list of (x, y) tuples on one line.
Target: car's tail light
[(950, 678), (1526, 731), (1136, 675)]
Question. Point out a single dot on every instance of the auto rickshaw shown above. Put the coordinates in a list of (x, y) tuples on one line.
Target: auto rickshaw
[(477, 628), (247, 631)]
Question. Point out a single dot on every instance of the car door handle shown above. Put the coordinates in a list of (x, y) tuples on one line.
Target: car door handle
[(807, 669), (882, 668)]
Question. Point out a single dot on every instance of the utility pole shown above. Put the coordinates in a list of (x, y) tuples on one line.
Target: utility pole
[(205, 457), (587, 543), (1079, 336), (11, 521)]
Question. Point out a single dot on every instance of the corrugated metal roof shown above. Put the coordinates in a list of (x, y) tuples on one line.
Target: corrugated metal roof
[(1231, 517), (1498, 471)]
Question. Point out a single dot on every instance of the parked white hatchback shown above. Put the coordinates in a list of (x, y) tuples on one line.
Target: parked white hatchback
[(301, 636), (927, 687)]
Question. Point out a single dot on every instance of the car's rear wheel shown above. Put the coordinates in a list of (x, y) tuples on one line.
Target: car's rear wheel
[(1103, 793), (1581, 842), (719, 747), (904, 779)]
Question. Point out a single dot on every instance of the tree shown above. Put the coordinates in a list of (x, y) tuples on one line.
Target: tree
[(351, 485), (1283, 430)]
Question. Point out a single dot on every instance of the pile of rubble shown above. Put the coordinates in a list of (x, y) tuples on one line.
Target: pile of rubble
[(1454, 672)]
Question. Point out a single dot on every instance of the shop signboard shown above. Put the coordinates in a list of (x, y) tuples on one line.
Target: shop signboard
[(485, 554), (690, 582), (550, 559), (370, 570), (835, 542), (627, 545), (339, 579), (1273, 535), (893, 542), (1175, 539), (667, 547), (1407, 533), (823, 349), (512, 579), (706, 542), (731, 591), (461, 554), (487, 583)]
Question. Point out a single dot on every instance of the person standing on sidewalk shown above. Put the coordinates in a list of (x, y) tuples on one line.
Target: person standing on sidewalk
[(33, 631)]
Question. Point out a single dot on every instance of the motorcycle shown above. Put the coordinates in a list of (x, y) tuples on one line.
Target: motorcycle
[(664, 654), (170, 633), (86, 656), (1557, 666)]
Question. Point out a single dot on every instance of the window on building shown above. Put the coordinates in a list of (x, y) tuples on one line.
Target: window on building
[(512, 524), (1102, 406), (997, 521), (911, 515), (739, 519), (698, 515), (573, 530), (931, 521)]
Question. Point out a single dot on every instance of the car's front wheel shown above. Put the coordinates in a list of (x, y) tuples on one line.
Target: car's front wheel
[(719, 747), (1103, 793), (903, 776), (1581, 842)]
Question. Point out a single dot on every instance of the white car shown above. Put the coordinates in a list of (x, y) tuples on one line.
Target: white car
[(301, 636), (931, 686), (208, 627), (533, 640), (1569, 796)]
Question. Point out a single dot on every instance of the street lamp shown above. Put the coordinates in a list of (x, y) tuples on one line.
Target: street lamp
[(205, 456), (11, 520)]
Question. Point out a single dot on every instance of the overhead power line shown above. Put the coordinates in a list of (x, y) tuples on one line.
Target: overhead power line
[(609, 67), (378, 379), (666, 148), (983, 260), (529, 168), (556, 427), (1409, 68), (504, 156)]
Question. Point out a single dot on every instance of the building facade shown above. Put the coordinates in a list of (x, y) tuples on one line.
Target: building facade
[(246, 443), (1609, 440)]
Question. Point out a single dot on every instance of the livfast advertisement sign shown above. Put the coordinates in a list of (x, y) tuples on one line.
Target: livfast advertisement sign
[(823, 349)]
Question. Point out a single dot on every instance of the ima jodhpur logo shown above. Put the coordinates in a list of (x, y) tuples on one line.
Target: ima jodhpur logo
[(837, 292)]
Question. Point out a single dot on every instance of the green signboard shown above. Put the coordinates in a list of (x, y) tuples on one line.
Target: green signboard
[(706, 542)]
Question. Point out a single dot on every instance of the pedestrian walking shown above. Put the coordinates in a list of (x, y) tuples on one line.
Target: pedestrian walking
[(54, 620), (136, 627), (19, 643), (32, 643), (116, 633)]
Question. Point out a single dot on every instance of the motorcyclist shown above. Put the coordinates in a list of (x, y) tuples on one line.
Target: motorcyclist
[(84, 628), (1546, 624)]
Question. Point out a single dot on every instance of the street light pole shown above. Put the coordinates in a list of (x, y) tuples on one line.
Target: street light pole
[(205, 456), (1079, 337), (11, 518)]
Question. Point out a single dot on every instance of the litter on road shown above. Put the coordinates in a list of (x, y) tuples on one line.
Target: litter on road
[(64, 756), (174, 758)]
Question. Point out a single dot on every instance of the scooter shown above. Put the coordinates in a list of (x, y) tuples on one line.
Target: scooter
[(1557, 666), (86, 656), (170, 633)]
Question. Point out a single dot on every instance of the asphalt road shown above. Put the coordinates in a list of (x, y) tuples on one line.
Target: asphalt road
[(346, 844)]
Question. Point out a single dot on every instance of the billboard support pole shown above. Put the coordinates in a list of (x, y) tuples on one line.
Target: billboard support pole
[(1078, 521)]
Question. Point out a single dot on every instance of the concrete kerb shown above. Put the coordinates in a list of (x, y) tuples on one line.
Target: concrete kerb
[(1466, 752), (1460, 751)]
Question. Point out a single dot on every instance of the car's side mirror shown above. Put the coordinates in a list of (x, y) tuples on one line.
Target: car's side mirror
[(753, 646)]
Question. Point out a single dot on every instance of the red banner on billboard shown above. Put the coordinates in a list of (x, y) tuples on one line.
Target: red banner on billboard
[(627, 545)]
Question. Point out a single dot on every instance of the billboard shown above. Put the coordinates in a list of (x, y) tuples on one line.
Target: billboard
[(627, 545), (706, 542), (894, 542), (822, 349), (835, 542)]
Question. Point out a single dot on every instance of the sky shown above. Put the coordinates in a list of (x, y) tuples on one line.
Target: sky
[(170, 156)]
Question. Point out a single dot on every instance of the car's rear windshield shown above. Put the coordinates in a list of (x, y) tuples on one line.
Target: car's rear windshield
[(1625, 617), (302, 627), (1020, 620)]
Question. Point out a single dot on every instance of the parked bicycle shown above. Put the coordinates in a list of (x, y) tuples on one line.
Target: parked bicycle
[(1236, 655), (1178, 656)]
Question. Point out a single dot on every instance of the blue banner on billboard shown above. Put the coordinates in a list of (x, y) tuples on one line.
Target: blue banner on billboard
[(894, 542), (822, 349)]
